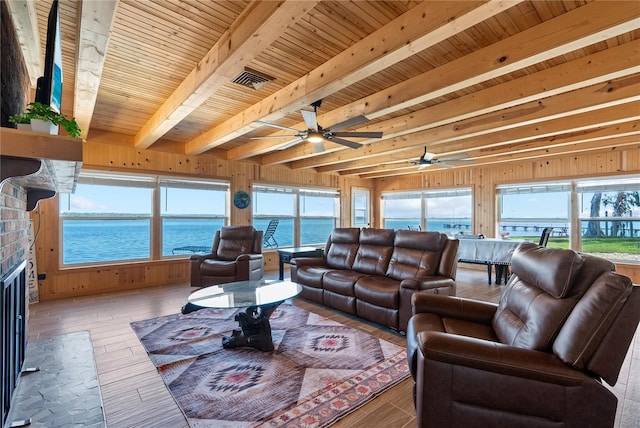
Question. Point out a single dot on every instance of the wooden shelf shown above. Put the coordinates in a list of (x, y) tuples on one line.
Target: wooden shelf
[(43, 164)]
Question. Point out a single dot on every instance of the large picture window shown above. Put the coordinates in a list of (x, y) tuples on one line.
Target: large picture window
[(111, 217), (610, 217), (605, 220), (191, 212), (305, 217), (524, 210), (445, 210)]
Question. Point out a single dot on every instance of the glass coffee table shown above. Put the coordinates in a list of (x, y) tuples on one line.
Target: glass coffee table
[(260, 298)]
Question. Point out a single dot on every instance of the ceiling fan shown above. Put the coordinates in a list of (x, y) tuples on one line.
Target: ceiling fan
[(316, 134), (428, 159)]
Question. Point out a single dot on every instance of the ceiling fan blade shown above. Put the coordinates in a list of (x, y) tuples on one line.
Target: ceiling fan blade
[(354, 121), (290, 143), (358, 134), (274, 136), (457, 156), (318, 147), (273, 125), (424, 165), (310, 119), (445, 165), (459, 161), (347, 143)]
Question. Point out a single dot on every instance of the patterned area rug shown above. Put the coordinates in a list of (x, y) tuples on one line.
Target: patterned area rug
[(319, 372)]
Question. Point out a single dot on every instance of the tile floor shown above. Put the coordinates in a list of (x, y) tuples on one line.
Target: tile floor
[(65, 391)]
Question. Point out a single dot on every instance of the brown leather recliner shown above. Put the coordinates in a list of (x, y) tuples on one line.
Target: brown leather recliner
[(236, 255), (564, 323)]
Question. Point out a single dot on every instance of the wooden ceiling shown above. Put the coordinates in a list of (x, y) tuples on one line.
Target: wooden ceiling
[(501, 81)]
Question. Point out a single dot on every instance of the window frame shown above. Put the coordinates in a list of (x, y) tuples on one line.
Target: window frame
[(155, 183), (423, 196), (296, 215)]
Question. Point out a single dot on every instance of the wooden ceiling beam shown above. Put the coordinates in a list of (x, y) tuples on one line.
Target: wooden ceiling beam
[(96, 22), (25, 20), (425, 25), (593, 69), (587, 122), (259, 25), (613, 144), (626, 132), (625, 90), (579, 28)]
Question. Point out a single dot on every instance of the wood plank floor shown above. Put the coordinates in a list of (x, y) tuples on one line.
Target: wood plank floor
[(134, 395)]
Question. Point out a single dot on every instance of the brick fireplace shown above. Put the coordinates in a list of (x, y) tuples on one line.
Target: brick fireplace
[(14, 247)]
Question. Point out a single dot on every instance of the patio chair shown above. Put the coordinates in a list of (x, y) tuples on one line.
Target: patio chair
[(544, 238), (269, 240)]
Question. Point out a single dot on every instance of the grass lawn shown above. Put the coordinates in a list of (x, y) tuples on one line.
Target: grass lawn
[(596, 245)]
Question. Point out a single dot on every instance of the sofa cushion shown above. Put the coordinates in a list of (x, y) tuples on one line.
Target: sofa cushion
[(538, 298), (311, 276), (374, 252), (591, 319), (341, 281), (379, 291), (218, 268), (342, 247), (416, 254), (560, 268)]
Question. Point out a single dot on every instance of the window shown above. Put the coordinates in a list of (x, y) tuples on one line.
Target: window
[(448, 210), (524, 210), (191, 212), (607, 220), (445, 210), (360, 215), (402, 210), (305, 217), (108, 218), (111, 216), (610, 217)]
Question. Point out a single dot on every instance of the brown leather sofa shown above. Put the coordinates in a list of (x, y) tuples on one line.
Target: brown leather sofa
[(564, 323), (373, 273), (236, 255)]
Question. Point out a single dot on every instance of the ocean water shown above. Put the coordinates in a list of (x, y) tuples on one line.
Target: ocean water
[(87, 241)]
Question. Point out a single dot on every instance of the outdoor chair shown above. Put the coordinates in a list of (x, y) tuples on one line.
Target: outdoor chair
[(269, 240), (236, 255), (539, 357), (544, 238)]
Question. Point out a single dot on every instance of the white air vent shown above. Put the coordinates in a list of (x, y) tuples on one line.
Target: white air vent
[(252, 79)]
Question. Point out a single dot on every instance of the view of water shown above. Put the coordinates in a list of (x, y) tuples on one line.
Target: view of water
[(87, 241)]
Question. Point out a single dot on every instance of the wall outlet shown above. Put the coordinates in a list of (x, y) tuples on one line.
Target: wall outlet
[(42, 276)]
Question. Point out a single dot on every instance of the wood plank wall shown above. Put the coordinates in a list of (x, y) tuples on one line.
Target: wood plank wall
[(121, 156), (91, 280)]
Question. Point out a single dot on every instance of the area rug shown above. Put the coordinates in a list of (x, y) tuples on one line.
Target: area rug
[(319, 372)]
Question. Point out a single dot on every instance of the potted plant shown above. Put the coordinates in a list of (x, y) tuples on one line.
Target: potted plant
[(44, 119)]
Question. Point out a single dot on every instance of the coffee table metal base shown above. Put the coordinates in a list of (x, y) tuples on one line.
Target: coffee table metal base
[(255, 329)]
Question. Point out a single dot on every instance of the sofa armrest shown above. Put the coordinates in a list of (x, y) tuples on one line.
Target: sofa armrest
[(454, 307), (498, 358), (427, 283), (308, 261), (246, 257), (463, 381)]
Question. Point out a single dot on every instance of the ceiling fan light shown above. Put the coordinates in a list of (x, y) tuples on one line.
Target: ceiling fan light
[(315, 137)]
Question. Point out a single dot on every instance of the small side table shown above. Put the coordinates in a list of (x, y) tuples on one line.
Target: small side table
[(286, 254)]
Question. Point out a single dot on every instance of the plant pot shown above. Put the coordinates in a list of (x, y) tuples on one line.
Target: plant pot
[(44, 127), (24, 126)]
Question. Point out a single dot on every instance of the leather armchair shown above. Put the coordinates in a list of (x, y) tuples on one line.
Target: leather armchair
[(537, 358), (236, 255)]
